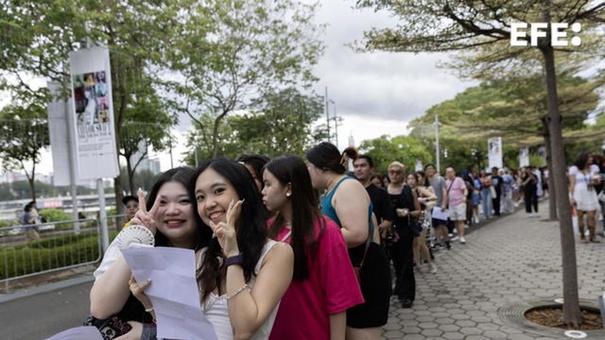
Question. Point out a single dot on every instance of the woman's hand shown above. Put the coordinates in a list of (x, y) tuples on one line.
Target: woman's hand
[(138, 290), (144, 217), (225, 231), (134, 334)]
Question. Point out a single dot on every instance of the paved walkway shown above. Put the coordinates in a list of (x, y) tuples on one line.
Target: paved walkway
[(507, 260)]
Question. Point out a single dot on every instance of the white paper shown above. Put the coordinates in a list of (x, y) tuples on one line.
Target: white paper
[(173, 291), (78, 333), (440, 215)]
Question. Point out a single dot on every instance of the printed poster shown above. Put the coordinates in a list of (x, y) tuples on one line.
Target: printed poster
[(494, 149), (95, 146), (523, 157)]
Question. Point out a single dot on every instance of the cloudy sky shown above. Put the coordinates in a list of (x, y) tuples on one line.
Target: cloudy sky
[(375, 93)]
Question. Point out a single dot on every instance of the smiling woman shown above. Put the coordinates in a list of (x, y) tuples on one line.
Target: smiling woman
[(169, 215), (242, 274)]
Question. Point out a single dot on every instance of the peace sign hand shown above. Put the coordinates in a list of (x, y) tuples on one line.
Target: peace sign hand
[(225, 231), (144, 217)]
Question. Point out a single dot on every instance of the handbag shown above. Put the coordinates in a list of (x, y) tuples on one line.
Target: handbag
[(494, 193), (110, 328), (389, 236)]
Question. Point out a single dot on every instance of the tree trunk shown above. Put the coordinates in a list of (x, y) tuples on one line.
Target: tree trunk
[(117, 190), (571, 304), (552, 197), (130, 173), (552, 191)]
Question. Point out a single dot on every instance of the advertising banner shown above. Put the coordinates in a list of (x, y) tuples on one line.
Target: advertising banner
[(95, 146), (494, 149), (523, 157)]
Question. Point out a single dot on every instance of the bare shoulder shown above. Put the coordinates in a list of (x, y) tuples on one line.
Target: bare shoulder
[(350, 187), (280, 251)]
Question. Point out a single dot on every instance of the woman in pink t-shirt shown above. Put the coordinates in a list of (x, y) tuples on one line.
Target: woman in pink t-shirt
[(324, 284)]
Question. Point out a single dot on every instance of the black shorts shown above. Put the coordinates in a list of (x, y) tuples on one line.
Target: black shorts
[(437, 222), (376, 289)]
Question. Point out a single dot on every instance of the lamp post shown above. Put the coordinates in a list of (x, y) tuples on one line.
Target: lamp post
[(328, 112), (337, 121), (437, 125)]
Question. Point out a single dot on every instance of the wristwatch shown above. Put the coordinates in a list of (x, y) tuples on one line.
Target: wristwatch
[(237, 259)]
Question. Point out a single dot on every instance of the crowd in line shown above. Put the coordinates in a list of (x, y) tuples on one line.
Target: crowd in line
[(276, 260)]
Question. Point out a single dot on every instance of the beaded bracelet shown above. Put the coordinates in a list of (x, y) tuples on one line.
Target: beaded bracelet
[(237, 291)]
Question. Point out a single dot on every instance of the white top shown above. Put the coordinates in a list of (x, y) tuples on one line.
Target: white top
[(586, 200), (216, 311), (111, 255)]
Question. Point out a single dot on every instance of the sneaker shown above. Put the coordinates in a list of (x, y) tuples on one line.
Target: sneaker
[(448, 245), (450, 235), (462, 239), (432, 268), (406, 303), (452, 239), (476, 219), (466, 226)]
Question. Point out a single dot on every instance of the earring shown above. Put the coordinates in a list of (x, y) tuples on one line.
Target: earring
[(288, 194)]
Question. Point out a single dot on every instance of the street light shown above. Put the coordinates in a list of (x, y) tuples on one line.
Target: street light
[(437, 125)]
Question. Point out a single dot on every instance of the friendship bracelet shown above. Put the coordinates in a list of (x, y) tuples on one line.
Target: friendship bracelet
[(237, 291)]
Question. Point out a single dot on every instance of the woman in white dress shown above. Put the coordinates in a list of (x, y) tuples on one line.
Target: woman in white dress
[(582, 179)]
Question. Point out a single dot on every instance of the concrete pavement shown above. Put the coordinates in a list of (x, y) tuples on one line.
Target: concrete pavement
[(505, 261)]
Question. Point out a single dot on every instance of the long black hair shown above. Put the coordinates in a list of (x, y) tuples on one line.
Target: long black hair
[(305, 211), (251, 227), (582, 160), (182, 175)]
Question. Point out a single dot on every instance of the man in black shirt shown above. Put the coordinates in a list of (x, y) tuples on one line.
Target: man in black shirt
[(364, 167)]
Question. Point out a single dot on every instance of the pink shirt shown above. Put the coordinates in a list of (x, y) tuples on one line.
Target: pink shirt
[(331, 288), (456, 192)]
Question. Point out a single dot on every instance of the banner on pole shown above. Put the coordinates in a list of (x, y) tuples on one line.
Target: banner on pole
[(523, 157), (494, 147), (95, 145)]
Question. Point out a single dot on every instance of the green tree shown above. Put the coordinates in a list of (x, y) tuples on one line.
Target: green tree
[(515, 109), (38, 36), (484, 26), (24, 135), (405, 149), (280, 123), (228, 52), (147, 125)]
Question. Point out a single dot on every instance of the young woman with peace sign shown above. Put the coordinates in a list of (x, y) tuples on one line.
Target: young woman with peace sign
[(242, 274), (169, 214)]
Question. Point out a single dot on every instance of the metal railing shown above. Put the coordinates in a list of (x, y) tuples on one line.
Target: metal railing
[(31, 250)]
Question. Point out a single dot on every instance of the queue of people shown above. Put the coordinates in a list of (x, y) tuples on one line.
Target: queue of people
[(274, 260)]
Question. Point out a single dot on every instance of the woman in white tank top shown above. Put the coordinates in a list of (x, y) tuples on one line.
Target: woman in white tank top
[(241, 274)]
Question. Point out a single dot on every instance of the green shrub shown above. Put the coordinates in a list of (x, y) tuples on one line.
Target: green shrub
[(47, 254), (55, 215)]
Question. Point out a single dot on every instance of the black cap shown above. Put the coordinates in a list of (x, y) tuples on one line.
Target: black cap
[(129, 198)]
